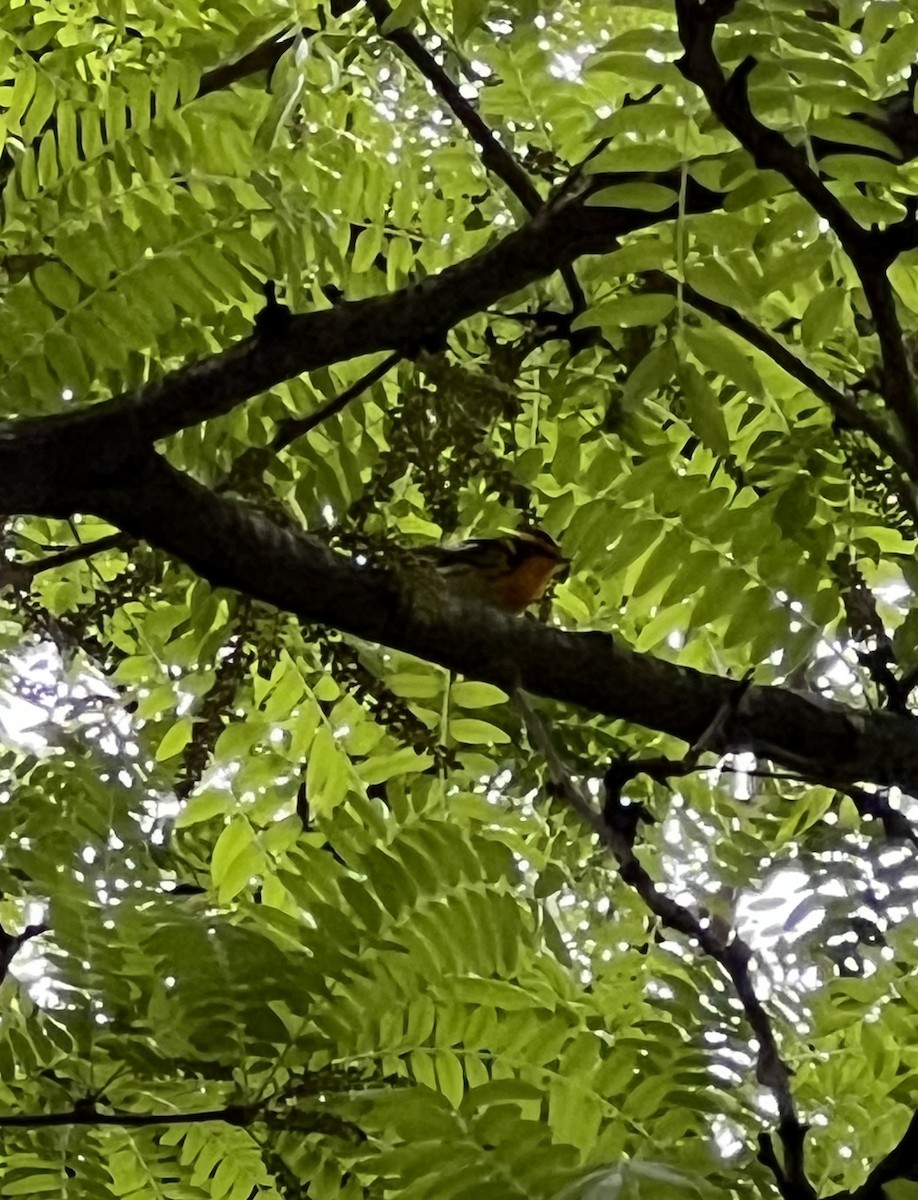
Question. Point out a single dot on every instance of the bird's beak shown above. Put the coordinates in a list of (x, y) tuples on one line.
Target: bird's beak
[(563, 569)]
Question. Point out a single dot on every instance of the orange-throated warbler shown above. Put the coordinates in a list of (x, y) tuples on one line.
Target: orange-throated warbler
[(508, 572)]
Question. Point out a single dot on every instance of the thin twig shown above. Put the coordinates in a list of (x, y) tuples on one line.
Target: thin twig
[(264, 57), (296, 427), (21, 574), (560, 776), (494, 155), (847, 411), (727, 949), (733, 955), (86, 1114), (11, 944), (875, 805), (720, 724)]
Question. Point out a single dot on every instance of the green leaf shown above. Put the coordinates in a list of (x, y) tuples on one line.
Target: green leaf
[(795, 508), (401, 16), (467, 15), (401, 762), (720, 596), (653, 372), (326, 689), (449, 1077), (174, 740), (326, 771), (24, 88), (705, 414), (472, 694), (415, 687), (646, 197), (823, 316), (234, 838), (41, 107), (633, 543), (626, 311), (472, 732), (236, 859), (30, 1185), (712, 279), (715, 350), (662, 563), (898, 52), (58, 286), (620, 157), (369, 243), (203, 807), (635, 68), (575, 1112)]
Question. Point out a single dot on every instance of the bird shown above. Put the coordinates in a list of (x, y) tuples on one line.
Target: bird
[(508, 573)]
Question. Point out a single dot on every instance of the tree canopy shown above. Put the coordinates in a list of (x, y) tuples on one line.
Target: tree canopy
[(319, 882)]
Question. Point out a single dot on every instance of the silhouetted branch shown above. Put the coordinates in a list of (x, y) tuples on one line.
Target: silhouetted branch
[(21, 574), (900, 1163), (848, 413), (87, 1114), (296, 427), (494, 155), (11, 944), (871, 252), (264, 57), (617, 829)]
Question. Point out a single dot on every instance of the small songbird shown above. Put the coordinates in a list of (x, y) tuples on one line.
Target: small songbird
[(507, 572)]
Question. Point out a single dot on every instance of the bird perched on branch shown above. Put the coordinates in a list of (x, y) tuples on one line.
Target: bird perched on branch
[(508, 572)]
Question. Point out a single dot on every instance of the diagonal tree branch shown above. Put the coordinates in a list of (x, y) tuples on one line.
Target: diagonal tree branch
[(264, 57), (848, 412), (11, 944), (870, 252), (730, 104), (231, 545), (103, 437), (733, 955), (494, 155), (900, 1163), (616, 829), (21, 574)]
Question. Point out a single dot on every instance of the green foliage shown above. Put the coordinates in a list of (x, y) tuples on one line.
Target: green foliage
[(317, 888)]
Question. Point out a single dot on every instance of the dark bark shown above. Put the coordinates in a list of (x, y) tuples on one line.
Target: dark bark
[(231, 545), (99, 460)]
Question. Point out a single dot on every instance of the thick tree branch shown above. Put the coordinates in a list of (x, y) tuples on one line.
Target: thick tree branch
[(101, 438), (229, 544), (790, 1178)]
